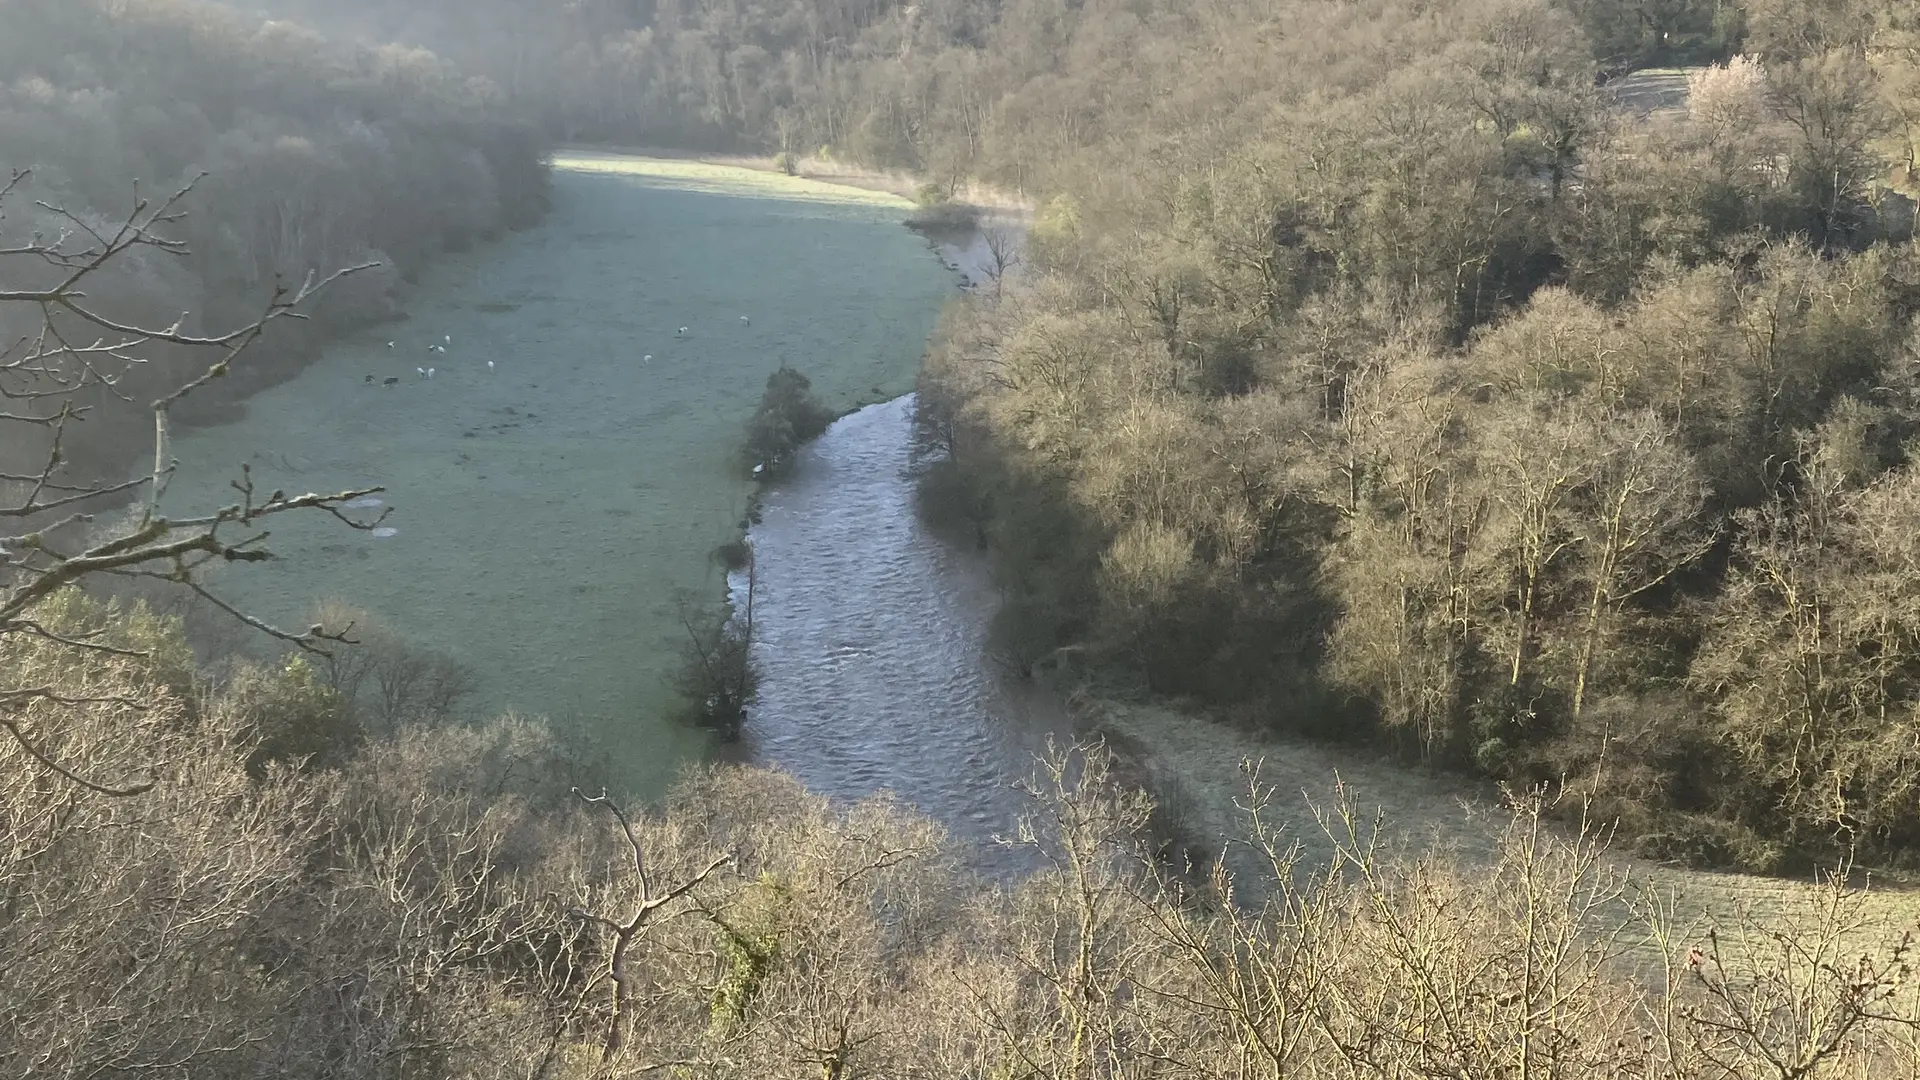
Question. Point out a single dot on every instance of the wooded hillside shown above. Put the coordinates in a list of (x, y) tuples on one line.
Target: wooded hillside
[(1382, 378), (317, 155)]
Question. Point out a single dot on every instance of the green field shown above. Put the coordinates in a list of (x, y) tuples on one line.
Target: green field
[(548, 509)]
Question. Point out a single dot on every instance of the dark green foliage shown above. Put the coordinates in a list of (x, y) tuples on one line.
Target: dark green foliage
[(750, 947), (292, 717), (789, 416)]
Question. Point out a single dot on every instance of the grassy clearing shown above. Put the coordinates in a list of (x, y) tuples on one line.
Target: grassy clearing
[(1652, 90), (551, 507), (827, 171), (1194, 763), (744, 178)]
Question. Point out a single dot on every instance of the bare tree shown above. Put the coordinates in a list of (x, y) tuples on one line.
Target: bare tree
[(652, 897), (75, 352), (1003, 249)]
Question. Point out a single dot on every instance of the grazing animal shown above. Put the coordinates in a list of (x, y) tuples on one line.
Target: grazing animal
[(744, 319), (647, 359), (429, 373), (390, 380), (369, 380), (682, 332), (389, 344), (422, 371), (489, 365), (448, 338)]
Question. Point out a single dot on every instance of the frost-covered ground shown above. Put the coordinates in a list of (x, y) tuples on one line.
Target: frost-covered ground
[(548, 508)]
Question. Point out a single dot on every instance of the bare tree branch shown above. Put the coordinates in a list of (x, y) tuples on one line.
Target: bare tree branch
[(625, 931), (20, 737), (80, 345)]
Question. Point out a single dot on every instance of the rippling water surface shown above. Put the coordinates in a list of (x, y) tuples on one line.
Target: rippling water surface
[(870, 637)]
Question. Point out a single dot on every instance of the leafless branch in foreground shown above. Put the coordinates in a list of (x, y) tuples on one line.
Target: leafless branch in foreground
[(651, 900), (79, 351)]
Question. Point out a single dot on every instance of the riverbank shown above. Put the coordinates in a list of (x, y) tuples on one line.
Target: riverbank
[(1192, 764), (559, 483)]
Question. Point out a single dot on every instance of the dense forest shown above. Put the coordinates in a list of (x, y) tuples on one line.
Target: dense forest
[(1381, 374), (1385, 379), (1369, 372), (953, 89)]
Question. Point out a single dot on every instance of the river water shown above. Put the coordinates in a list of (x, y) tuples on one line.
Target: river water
[(559, 482), (870, 641)]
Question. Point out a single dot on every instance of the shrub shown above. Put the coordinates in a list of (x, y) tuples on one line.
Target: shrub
[(290, 716), (386, 679), (789, 416), (716, 675), (733, 554), (944, 218)]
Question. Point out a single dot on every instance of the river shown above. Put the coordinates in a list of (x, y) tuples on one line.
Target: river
[(548, 509), (558, 483), (870, 641)]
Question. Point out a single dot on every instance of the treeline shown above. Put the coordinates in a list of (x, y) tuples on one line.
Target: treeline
[(304, 894), (1374, 376), (317, 156), (953, 89), (797, 75)]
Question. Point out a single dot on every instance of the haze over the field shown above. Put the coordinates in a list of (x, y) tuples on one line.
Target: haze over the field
[(552, 507), (1522, 391)]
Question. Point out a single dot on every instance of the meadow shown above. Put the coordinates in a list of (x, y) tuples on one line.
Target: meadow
[(1184, 757), (549, 508)]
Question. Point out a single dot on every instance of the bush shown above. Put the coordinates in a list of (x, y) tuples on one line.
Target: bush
[(291, 717), (789, 416), (716, 676), (945, 217), (733, 554), (386, 679)]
